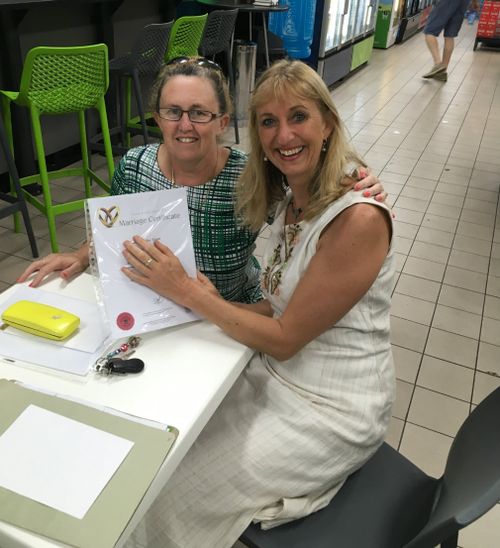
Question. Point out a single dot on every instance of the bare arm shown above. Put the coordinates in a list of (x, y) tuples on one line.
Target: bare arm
[(349, 256), (67, 264)]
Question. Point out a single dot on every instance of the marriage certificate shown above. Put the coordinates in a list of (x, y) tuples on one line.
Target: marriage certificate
[(131, 308)]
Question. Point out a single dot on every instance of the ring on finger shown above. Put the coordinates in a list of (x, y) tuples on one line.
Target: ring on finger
[(148, 261)]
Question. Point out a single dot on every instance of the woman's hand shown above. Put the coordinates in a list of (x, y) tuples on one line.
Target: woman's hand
[(370, 185), (156, 267), (67, 264)]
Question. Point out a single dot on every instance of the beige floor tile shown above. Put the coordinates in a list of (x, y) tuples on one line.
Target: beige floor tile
[(405, 230), (484, 384), (402, 245), (488, 359), (408, 334), (483, 533), (457, 321), (447, 199), (492, 307), (413, 204), (493, 286), (424, 269), (408, 216), (394, 432), (472, 245), (404, 391), (445, 377), (467, 279), (463, 299), (412, 308), (406, 363), (431, 252), (437, 412), (426, 449), (451, 347), (437, 237), (469, 261), (454, 190), (449, 211), (490, 331), (11, 268), (418, 287), (439, 223)]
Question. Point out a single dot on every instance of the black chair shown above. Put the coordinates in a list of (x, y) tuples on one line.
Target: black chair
[(16, 201), (218, 38), (145, 59), (390, 503)]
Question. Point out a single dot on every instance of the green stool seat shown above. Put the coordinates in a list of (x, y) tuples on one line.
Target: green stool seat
[(61, 80)]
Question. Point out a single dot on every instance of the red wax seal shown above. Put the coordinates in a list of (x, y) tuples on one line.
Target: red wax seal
[(125, 321)]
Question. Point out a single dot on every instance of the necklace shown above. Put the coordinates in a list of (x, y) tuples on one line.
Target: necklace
[(296, 211), (172, 174)]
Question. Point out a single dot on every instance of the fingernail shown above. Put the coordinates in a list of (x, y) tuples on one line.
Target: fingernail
[(362, 173), (357, 186), (31, 284), (378, 198), (367, 193)]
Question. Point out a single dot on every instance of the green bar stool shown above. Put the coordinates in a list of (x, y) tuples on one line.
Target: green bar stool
[(185, 37), (61, 80)]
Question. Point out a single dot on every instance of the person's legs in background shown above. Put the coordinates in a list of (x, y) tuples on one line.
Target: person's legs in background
[(449, 45)]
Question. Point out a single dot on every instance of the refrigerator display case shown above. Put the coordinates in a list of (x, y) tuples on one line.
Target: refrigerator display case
[(344, 33), (387, 24), (415, 13)]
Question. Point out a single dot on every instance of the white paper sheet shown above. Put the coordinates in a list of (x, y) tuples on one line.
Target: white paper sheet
[(58, 461), (130, 307), (76, 354)]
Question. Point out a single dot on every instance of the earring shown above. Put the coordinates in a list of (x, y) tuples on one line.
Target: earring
[(323, 148), (265, 158)]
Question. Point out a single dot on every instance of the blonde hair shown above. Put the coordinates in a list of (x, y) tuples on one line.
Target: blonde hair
[(262, 185)]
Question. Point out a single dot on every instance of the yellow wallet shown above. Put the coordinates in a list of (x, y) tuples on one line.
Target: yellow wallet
[(41, 319)]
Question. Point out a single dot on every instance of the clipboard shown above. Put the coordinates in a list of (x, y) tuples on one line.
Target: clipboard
[(108, 516)]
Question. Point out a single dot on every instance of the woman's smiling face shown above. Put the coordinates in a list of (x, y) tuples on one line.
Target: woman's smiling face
[(185, 139), (291, 132)]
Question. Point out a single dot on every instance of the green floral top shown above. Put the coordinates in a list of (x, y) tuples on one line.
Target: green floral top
[(223, 249)]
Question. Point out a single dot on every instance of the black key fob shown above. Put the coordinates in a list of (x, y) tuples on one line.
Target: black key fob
[(121, 367)]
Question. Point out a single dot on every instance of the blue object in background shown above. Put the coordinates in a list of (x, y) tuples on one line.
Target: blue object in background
[(295, 27)]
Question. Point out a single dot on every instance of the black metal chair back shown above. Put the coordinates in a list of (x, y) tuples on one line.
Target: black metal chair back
[(16, 202), (218, 38)]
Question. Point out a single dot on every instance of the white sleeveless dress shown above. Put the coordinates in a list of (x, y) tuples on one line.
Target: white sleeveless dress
[(288, 433)]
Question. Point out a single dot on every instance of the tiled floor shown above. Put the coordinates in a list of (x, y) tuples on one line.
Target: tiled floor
[(436, 148)]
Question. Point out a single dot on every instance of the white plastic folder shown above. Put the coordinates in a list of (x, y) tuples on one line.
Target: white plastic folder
[(131, 308)]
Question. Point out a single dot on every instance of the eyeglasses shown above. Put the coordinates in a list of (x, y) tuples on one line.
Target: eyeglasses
[(200, 61), (195, 115)]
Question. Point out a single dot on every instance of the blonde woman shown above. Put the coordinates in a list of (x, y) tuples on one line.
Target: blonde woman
[(314, 402)]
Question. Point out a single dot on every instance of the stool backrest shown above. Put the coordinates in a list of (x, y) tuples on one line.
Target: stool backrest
[(64, 79), (185, 37), (218, 32), (150, 47)]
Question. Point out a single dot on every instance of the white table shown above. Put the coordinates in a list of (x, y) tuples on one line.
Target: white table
[(188, 371)]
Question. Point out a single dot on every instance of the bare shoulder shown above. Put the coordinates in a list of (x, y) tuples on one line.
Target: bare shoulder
[(364, 220)]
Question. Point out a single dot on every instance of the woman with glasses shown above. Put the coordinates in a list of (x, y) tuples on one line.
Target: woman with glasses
[(314, 403), (192, 108)]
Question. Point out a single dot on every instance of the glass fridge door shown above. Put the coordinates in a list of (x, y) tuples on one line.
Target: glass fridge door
[(334, 24), (351, 19)]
